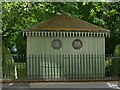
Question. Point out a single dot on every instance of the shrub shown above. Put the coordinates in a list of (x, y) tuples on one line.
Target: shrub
[(116, 61), (7, 63)]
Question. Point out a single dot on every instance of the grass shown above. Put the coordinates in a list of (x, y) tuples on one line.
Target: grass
[(9, 70), (21, 70)]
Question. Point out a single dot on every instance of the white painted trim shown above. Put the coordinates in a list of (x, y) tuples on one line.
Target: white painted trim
[(97, 34), (79, 34), (76, 34), (82, 34), (68, 34), (73, 33), (54, 34), (85, 34), (94, 34), (61, 34), (38, 33), (100, 34), (91, 34), (88, 34), (48, 34), (42, 34), (64, 34), (58, 34), (29, 33), (45, 34), (32, 33)]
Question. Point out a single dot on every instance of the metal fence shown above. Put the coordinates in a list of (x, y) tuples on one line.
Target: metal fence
[(63, 68)]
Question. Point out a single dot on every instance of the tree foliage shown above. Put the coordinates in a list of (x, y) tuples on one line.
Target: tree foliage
[(117, 50), (19, 15)]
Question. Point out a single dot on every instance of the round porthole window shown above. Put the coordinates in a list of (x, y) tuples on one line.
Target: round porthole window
[(77, 44), (56, 44)]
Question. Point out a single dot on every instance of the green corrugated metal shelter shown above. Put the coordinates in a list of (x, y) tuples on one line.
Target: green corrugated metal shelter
[(73, 40)]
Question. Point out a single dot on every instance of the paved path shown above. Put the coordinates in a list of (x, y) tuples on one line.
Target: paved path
[(69, 85), (76, 85), (58, 86)]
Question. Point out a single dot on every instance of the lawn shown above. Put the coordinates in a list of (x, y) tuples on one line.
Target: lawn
[(21, 70)]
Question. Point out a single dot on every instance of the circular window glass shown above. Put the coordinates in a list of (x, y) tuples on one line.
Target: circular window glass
[(56, 44), (77, 44)]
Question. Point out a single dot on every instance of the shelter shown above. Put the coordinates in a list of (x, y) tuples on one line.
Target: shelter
[(67, 47)]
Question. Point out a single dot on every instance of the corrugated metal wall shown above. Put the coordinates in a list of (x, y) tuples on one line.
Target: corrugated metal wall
[(42, 45), (68, 65)]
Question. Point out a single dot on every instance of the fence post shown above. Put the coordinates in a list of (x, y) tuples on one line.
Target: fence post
[(4, 68), (1, 73), (119, 73)]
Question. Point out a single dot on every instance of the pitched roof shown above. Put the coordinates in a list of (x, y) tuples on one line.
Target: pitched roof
[(65, 22)]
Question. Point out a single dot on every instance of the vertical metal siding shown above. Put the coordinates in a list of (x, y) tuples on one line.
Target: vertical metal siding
[(42, 45), (69, 65)]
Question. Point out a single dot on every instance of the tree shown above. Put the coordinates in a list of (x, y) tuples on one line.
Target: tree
[(19, 15)]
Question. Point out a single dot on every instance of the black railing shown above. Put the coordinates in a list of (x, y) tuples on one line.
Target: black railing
[(61, 67)]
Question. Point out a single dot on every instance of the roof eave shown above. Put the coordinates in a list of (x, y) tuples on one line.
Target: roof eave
[(67, 29)]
